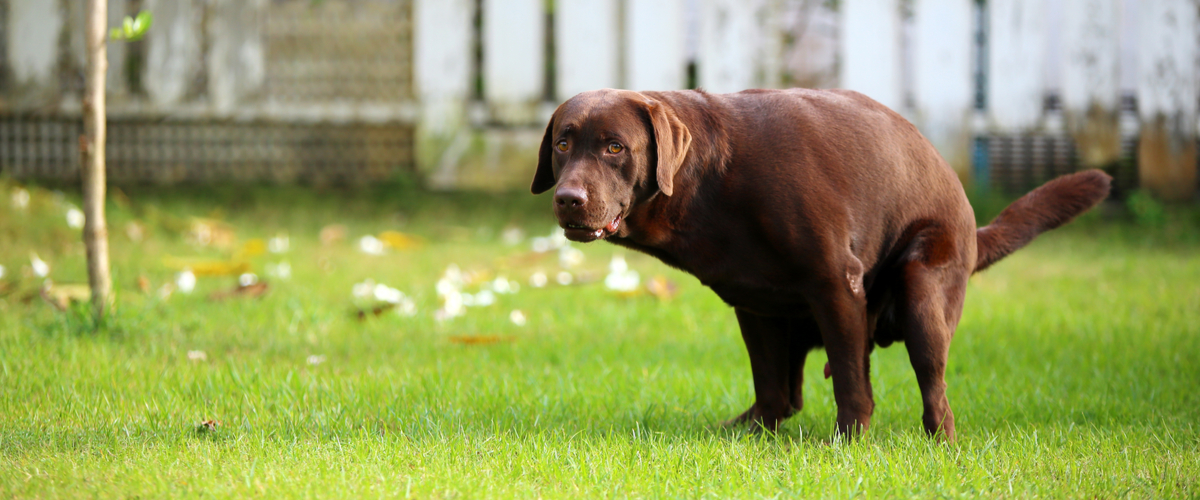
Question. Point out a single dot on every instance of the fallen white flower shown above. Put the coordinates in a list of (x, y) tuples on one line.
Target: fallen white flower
[(134, 231), (364, 289), (370, 245), (75, 218), (384, 293), (282, 270), (406, 307), (512, 236), (40, 267), (247, 279), (537, 279), (186, 281), (620, 278), (20, 199), (279, 244), (316, 359), (517, 317), (1, 271), (564, 278), (484, 298), (502, 285), (569, 257), (197, 355)]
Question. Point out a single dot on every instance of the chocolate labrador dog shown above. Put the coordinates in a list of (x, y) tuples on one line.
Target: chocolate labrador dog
[(822, 217)]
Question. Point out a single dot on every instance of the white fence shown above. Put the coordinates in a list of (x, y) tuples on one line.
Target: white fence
[(480, 77)]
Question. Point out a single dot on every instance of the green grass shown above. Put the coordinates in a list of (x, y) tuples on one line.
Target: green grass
[(1075, 371)]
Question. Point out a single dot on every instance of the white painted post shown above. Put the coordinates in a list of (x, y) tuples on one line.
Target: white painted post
[(442, 35), (513, 58), (586, 35), (172, 50), (1167, 93), (1016, 55), (942, 77), (236, 56), (33, 30), (730, 44), (871, 55), (654, 43), (1091, 78)]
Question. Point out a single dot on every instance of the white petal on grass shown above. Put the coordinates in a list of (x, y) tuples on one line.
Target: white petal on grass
[(1, 271), (564, 278), (540, 244), (384, 293), (537, 280), (186, 281), (370, 245), (512, 236), (197, 356), (569, 257), (247, 279), (316, 359), (40, 267), (406, 307), (517, 317), (75, 218), (20, 199), (279, 244), (502, 285), (485, 298), (364, 289), (620, 278), (134, 231), (282, 270)]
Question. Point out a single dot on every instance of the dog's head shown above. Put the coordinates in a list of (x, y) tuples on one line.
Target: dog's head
[(607, 151)]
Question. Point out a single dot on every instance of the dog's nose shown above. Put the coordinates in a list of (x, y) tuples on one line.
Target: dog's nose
[(570, 197)]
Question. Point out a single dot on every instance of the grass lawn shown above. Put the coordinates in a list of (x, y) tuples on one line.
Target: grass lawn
[(1075, 371)]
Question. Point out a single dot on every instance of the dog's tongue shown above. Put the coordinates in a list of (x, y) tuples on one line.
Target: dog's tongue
[(612, 226), (828, 372)]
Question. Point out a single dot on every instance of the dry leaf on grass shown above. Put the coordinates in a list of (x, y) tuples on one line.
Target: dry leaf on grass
[(62, 295), (479, 339), (257, 289), (207, 426)]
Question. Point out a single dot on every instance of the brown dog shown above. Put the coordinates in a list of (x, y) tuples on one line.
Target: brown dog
[(823, 217)]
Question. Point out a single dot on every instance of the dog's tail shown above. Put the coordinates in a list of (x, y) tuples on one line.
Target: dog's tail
[(1047, 207)]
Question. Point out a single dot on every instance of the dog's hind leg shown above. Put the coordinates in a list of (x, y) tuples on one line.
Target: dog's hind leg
[(842, 316), (929, 308)]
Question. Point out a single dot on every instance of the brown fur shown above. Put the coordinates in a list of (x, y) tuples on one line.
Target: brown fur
[(822, 217)]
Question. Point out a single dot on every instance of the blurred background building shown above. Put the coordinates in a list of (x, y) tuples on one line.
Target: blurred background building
[(1012, 92)]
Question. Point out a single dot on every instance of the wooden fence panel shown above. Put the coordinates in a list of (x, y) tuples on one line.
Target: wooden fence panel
[(654, 34), (514, 59), (586, 35), (1091, 90), (871, 50), (1167, 97), (1016, 62), (942, 81)]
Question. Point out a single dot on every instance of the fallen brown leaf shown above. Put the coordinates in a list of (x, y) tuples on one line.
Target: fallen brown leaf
[(255, 290), (143, 284), (479, 339)]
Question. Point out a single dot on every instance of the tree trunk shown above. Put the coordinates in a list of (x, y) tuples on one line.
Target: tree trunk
[(95, 230)]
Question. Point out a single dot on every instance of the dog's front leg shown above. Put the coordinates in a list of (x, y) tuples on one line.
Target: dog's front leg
[(772, 367)]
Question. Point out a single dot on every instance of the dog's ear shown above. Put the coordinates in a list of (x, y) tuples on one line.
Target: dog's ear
[(673, 139), (543, 179)]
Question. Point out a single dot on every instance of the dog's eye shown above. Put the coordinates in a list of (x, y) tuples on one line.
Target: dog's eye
[(615, 148), (562, 145)]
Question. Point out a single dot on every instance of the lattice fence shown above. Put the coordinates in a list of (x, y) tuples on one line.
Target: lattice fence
[(301, 75)]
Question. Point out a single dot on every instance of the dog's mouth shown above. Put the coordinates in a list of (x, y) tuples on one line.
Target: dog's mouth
[(584, 234)]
